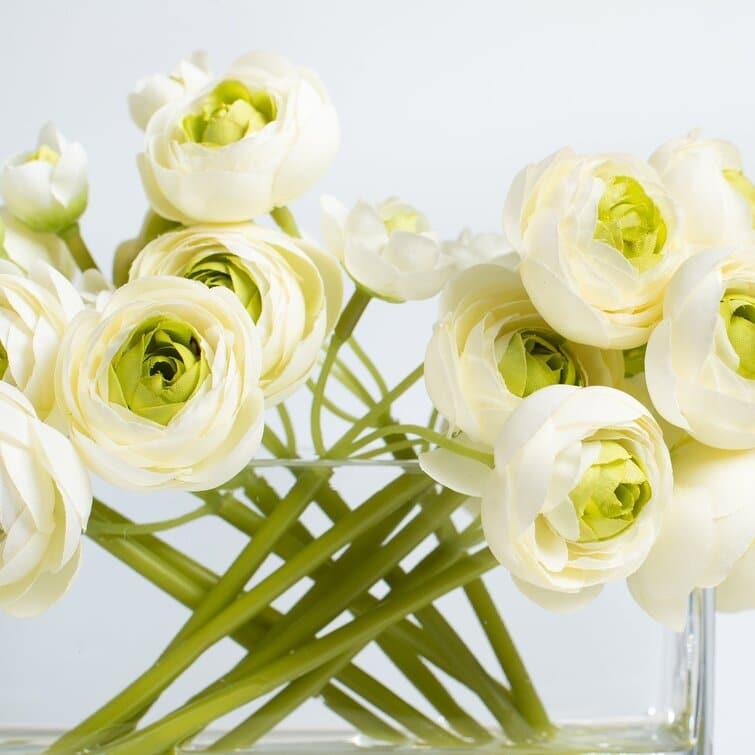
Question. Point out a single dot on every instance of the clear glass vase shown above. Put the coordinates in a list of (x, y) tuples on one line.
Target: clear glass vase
[(609, 678)]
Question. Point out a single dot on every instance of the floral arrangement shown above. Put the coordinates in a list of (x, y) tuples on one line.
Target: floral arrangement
[(592, 373)]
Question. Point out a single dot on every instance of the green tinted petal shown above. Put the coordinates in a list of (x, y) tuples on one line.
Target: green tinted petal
[(744, 186), (405, 220), (228, 270), (630, 222), (611, 493), (737, 310), (44, 154), (3, 361), (228, 114), (535, 359), (634, 361), (157, 369)]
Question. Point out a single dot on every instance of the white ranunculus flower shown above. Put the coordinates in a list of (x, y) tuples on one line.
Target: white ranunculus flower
[(47, 189), (152, 92), (291, 289), (388, 248), (599, 240), (705, 178), (242, 146), (25, 247), (705, 537), (160, 389), (700, 361), (34, 313), (490, 349), (577, 494), (45, 499)]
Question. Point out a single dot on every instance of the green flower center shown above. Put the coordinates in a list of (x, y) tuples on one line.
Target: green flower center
[(403, 220), (630, 222), (737, 310), (44, 154), (229, 113), (158, 369), (227, 270), (535, 359), (611, 493), (634, 360), (744, 186)]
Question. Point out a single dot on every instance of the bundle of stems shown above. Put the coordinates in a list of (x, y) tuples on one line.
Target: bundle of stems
[(296, 655)]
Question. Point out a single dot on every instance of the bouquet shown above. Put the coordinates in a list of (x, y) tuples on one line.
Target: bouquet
[(592, 373)]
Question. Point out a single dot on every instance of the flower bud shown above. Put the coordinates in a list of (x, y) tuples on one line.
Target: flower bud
[(47, 189)]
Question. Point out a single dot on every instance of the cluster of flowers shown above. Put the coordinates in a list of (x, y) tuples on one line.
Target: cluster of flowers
[(601, 353)]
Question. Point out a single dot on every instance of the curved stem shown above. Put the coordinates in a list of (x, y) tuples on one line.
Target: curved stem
[(376, 413), (345, 375), (389, 448), (288, 428), (285, 220), (369, 365), (78, 248), (98, 527), (343, 330), (426, 434), (332, 407)]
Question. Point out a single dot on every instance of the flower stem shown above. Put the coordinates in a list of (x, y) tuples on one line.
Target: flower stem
[(285, 220), (256, 551), (426, 434), (98, 527), (78, 248), (185, 722), (343, 330), (369, 365), (288, 428), (525, 695), (246, 606), (186, 581)]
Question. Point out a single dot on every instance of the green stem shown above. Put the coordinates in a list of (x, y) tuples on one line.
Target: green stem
[(185, 722), (188, 582), (288, 428), (332, 407), (131, 529), (389, 448), (343, 330), (78, 248), (374, 415), (285, 220), (347, 377), (356, 571), (525, 695), (246, 606), (256, 551), (426, 434), (369, 365)]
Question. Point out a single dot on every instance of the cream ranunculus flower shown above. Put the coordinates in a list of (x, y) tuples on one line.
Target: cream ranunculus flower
[(700, 361), (152, 92), (599, 240), (292, 290), (25, 247), (706, 535), (160, 389), (242, 146), (34, 313), (388, 249), (45, 499), (47, 189), (705, 178), (490, 349), (577, 494)]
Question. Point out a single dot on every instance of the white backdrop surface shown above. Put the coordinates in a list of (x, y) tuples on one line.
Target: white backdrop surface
[(440, 102)]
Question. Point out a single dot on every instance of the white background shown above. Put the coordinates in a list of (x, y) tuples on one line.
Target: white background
[(440, 102)]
